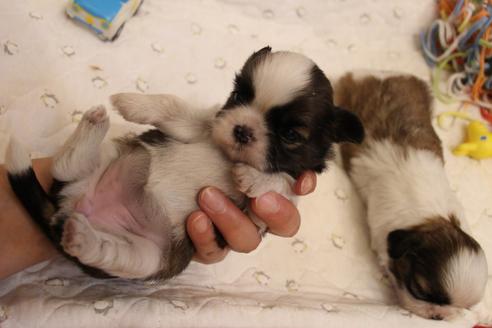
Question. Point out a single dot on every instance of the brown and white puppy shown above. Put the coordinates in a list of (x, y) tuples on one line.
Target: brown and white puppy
[(119, 208), (417, 225)]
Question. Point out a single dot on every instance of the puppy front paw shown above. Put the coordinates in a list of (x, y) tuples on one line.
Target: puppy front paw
[(436, 312), (128, 105), (249, 180)]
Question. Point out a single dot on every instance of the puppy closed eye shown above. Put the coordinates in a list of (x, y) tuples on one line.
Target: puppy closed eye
[(418, 288)]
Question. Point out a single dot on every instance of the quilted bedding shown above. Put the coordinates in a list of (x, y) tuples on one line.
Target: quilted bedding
[(51, 70)]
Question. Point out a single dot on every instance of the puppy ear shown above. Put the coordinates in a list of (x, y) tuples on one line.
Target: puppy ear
[(347, 127), (254, 59), (260, 53), (400, 242)]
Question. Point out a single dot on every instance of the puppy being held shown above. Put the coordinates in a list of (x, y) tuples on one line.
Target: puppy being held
[(119, 208), (417, 225)]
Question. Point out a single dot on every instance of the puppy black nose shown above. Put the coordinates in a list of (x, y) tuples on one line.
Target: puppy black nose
[(243, 134)]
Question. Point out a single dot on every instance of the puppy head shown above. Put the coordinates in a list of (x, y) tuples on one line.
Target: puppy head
[(280, 115), (437, 268)]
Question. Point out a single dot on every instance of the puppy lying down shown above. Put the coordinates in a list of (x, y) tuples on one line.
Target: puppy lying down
[(417, 225), (119, 208)]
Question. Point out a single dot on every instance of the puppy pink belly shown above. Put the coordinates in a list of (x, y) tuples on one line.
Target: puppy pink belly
[(109, 205), (114, 206), (105, 212)]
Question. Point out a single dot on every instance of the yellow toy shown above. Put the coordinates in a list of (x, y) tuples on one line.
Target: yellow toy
[(478, 143)]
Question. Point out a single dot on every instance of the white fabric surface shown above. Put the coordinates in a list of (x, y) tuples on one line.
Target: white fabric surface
[(51, 70)]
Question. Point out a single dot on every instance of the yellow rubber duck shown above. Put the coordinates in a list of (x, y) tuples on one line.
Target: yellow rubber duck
[(478, 143)]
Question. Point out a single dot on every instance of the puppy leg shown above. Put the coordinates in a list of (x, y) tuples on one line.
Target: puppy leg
[(170, 114), (127, 256), (254, 183), (79, 155)]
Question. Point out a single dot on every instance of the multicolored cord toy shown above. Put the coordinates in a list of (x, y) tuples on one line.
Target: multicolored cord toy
[(460, 42)]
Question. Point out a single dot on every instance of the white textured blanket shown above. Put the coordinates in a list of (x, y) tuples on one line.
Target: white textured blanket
[(51, 70)]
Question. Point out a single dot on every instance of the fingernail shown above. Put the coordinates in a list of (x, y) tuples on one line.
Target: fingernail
[(267, 203), (213, 200), (307, 185), (201, 224)]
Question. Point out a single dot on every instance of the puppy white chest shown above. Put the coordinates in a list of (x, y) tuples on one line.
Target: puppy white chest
[(179, 171)]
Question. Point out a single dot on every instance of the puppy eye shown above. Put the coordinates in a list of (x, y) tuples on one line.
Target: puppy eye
[(416, 290), (291, 136)]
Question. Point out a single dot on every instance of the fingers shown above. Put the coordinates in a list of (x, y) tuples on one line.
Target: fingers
[(240, 233), (238, 230), (202, 235), (305, 184), (279, 214)]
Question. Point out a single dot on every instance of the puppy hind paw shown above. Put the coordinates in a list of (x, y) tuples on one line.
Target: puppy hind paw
[(76, 238), (95, 123), (96, 115), (70, 242)]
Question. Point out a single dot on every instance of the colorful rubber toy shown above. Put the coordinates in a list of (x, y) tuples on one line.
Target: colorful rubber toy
[(105, 17), (478, 143)]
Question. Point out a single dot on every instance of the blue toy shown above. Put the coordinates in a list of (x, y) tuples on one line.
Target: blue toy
[(105, 17)]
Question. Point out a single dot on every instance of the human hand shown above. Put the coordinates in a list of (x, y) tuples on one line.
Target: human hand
[(22, 243), (241, 234)]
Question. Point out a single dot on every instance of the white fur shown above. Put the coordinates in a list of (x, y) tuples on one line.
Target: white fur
[(177, 173), (125, 255), (168, 113), (200, 159), (119, 253), (279, 78), (74, 162), (466, 275), (17, 159), (402, 189)]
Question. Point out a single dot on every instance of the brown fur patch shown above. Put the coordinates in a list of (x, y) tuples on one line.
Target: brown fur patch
[(180, 255), (419, 255), (397, 108)]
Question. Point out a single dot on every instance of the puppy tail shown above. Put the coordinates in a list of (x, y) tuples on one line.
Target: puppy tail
[(26, 186)]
